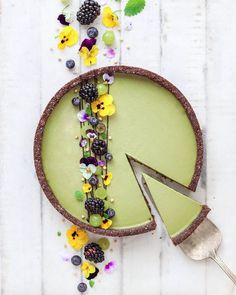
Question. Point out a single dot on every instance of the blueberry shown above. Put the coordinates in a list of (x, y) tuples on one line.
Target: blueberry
[(110, 213), (76, 101), (93, 180), (76, 260), (70, 64), (92, 32), (108, 157), (93, 121), (82, 287)]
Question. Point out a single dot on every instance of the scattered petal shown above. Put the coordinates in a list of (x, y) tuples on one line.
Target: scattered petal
[(110, 53), (110, 267), (62, 20)]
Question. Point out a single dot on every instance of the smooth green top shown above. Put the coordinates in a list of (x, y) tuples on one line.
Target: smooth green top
[(150, 125), (176, 210)]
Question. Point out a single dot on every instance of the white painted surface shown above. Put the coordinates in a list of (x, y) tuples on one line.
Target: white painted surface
[(190, 42)]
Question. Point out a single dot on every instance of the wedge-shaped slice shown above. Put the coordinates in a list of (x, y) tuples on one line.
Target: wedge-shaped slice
[(180, 214)]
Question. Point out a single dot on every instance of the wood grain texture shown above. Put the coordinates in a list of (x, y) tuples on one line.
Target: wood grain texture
[(191, 43)]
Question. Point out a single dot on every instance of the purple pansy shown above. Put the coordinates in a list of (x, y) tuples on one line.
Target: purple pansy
[(62, 20), (88, 43), (108, 78), (110, 267), (82, 116), (83, 142), (91, 133), (89, 160)]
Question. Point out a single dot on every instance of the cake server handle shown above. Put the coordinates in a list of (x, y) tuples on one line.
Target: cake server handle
[(223, 266)]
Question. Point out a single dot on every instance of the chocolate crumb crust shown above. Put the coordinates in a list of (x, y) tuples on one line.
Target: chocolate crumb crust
[(191, 228), (77, 81)]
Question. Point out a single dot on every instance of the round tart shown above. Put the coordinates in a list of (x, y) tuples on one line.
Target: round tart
[(87, 134)]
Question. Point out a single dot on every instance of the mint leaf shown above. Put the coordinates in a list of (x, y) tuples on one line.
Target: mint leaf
[(134, 7)]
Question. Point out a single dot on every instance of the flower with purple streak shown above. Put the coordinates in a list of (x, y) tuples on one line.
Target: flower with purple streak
[(110, 267), (82, 116)]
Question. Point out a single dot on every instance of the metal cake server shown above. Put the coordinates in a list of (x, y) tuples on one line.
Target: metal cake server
[(204, 243), (205, 240)]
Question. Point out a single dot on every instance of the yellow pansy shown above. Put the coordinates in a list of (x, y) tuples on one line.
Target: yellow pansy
[(87, 188), (87, 269), (104, 105), (77, 237), (89, 56), (106, 223), (107, 178), (109, 18), (68, 37)]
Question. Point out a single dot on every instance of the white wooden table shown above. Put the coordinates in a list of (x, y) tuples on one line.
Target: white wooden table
[(190, 42)]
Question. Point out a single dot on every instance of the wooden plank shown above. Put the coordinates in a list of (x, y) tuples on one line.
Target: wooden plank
[(20, 222), (141, 254), (182, 62), (221, 126)]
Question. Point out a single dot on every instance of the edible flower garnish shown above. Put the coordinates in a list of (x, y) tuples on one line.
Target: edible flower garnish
[(87, 171), (109, 18), (88, 43), (62, 20), (107, 178), (90, 133), (89, 160), (87, 269), (68, 37), (110, 267), (87, 188), (106, 223), (77, 237), (83, 142), (104, 106), (108, 78), (82, 116), (89, 56)]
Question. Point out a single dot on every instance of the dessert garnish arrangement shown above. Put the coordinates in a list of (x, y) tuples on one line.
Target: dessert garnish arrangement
[(109, 140)]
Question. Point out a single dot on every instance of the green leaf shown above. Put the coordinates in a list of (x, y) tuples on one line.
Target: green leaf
[(134, 7)]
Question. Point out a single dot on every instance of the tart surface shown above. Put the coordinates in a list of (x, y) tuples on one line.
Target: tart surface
[(153, 123)]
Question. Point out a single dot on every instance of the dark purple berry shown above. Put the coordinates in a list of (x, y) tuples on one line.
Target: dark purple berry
[(92, 32), (93, 252), (76, 260), (93, 121), (93, 180), (108, 157), (99, 147), (110, 213), (82, 287), (76, 101), (70, 64)]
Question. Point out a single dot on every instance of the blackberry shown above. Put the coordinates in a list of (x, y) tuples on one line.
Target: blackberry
[(88, 92), (94, 206), (93, 252), (99, 147), (88, 12)]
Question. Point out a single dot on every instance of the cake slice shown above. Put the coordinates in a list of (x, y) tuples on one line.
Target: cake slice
[(180, 214)]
